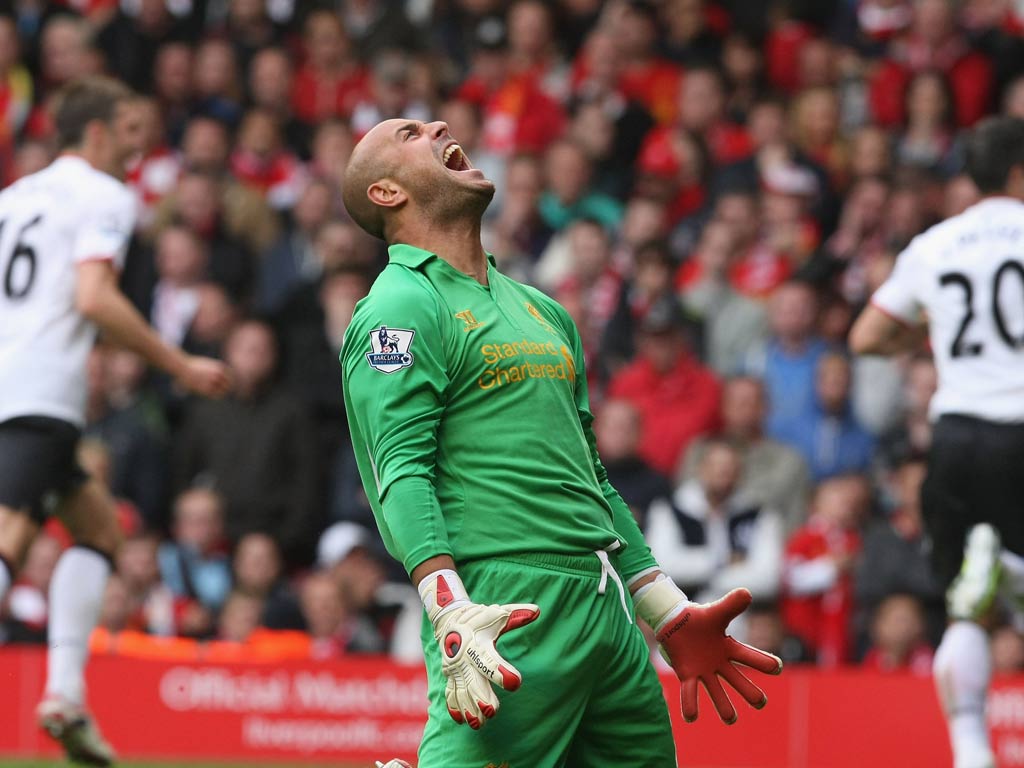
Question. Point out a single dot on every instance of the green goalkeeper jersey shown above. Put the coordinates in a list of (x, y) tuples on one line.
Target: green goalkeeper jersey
[(470, 420)]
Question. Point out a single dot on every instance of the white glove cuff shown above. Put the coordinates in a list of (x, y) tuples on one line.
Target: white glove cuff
[(658, 600), (441, 591)]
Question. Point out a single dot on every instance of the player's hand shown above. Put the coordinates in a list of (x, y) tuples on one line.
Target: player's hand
[(466, 633), (693, 641), (205, 376)]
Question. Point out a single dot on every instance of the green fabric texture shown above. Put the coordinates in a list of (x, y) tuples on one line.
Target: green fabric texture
[(590, 697), (472, 431)]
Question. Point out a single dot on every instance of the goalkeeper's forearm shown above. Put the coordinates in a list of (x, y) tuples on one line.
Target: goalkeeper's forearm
[(429, 566)]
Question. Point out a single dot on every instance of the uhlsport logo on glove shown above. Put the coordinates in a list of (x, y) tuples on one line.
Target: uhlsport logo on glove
[(389, 349)]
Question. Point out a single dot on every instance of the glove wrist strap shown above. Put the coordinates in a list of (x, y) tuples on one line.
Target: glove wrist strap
[(442, 591), (659, 600)]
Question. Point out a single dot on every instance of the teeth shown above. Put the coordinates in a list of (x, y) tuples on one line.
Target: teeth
[(451, 151)]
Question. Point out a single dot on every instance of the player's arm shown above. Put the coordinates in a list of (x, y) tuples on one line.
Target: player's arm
[(877, 332), (101, 240), (692, 635), (99, 299), (394, 416), (891, 322)]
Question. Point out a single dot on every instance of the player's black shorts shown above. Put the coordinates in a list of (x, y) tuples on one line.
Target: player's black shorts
[(37, 463), (975, 475)]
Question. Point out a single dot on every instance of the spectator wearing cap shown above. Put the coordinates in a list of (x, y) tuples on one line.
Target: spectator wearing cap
[(257, 448), (367, 610), (828, 435), (733, 324), (677, 397), (789, 230), (788, 360), (773, 473), (518, 115), (672, 168), (651, 283), (711, 537)]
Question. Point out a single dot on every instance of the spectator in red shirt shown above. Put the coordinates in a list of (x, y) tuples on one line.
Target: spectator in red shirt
[(932, 42), (818, 593), (154, 172), (270, 88), (898, 638), (645, 77), (677, 397), (758, 267), (701, 109), (262, 162), (331, 81), (532, 50), (518, 115)]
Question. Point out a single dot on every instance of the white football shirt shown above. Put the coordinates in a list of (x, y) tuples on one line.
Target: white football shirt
[(50, 222), (965, 276)]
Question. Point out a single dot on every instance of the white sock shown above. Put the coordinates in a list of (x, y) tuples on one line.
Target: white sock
[(76, 594), (6, 578), (963, 670)]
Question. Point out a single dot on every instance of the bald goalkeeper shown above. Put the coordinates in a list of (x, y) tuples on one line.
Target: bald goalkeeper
[(467, 401)]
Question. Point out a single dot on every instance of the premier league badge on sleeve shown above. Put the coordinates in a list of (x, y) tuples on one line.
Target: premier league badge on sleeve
[(389, 349)]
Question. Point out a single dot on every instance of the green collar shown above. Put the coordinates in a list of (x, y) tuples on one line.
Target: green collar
[(411, 256)]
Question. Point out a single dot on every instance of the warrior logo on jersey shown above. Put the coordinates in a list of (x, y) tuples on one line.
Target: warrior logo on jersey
[(389, 349)]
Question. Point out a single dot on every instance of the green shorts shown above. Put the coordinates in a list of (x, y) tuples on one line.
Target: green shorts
[(590, 697)]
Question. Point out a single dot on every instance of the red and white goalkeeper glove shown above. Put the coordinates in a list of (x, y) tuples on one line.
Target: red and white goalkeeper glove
[(693, 641), (466, 633)]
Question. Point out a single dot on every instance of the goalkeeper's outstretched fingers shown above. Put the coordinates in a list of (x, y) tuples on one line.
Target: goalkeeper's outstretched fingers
[(694, 643)]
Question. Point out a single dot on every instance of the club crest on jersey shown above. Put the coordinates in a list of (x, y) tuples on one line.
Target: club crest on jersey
[(389, 349)]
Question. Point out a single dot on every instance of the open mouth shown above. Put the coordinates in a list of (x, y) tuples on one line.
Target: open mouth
[(454, 159)]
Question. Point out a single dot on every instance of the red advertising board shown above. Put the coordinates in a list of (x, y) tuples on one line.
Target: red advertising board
[(365, 709)]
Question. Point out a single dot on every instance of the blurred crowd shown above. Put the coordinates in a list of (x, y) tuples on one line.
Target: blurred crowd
[(712, 188)]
